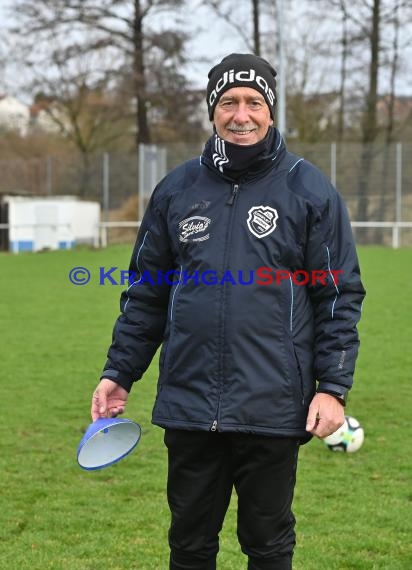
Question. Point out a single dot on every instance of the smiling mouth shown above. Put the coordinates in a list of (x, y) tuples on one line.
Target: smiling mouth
[(242, 133)]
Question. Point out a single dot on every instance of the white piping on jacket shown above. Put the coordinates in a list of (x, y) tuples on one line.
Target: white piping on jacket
[(291, 304), (174, 293), (297, 162), (139, 272), (334, 282)]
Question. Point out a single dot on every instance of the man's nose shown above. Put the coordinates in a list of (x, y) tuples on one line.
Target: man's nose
[(241, 113)]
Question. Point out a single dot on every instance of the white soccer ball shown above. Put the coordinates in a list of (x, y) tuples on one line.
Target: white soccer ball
[(348, 438)]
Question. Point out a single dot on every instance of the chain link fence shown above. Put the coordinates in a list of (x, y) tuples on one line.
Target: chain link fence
[(375, 181)]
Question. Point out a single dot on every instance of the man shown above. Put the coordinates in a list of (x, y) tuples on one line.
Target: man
[(258, 328)]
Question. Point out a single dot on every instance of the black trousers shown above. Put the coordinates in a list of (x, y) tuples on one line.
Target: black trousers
[(203, 468)]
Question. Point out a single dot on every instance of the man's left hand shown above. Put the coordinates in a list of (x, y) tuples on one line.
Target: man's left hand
[(325, 415)]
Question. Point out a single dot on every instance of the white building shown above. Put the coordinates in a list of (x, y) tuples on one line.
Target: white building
[(37, 223), (14, 115)]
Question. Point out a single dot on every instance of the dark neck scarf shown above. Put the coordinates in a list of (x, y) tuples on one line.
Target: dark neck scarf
[(242, 161)]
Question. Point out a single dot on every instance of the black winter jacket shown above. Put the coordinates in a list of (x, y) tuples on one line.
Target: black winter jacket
[(244, 341)]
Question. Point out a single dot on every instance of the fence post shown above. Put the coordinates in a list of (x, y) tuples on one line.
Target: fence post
[(333, 163), (106, 196), (141, 180), (396, 242), (49, 175), (163, 162), (281, 35), (106, 186), (103, 236)]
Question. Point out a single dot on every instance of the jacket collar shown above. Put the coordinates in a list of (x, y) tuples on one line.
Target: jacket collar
[(239, 163)]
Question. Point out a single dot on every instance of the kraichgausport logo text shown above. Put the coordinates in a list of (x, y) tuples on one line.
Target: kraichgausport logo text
[(263, 276)]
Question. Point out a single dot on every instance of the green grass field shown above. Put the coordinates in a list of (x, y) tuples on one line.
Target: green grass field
[(353, 511)]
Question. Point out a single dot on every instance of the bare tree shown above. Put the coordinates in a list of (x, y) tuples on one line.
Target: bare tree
[(390, 102), (247, 25), (310, 103), (256, 26), (343, 67), (84, 111), (100, 26), (369, 122)]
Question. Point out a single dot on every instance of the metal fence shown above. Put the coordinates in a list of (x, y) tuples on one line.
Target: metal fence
[(375, 181)]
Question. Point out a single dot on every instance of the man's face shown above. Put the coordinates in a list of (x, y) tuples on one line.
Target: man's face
[(242, 116)]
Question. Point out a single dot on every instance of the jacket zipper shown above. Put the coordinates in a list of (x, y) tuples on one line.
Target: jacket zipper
[(230, 202), (233, 195)]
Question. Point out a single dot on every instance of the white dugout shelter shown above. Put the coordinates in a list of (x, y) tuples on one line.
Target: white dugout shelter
[(40, 223)]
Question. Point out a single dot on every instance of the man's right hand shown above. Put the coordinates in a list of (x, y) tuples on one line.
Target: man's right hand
[(109, 400)]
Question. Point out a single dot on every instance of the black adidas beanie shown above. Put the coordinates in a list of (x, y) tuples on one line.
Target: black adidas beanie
[(241, 70)]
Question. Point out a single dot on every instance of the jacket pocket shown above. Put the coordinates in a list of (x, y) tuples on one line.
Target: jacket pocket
[(163, 354), (296, 373), (300, 374), (169, 334)]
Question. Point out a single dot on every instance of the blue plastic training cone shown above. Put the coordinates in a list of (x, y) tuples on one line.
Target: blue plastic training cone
[(106, 441)]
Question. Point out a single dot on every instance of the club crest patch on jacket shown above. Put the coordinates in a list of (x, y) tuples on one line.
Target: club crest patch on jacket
[(262, 220)]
